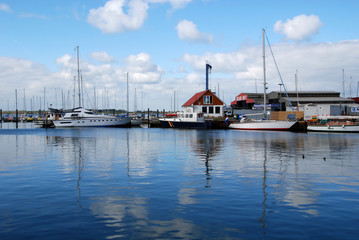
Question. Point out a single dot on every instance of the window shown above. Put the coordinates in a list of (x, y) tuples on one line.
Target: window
[(204, 109), (210, 110), (207, 99), (218, 109)]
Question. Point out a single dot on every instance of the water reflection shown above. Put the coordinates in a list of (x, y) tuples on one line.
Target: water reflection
[(155, 183), (206, 145)]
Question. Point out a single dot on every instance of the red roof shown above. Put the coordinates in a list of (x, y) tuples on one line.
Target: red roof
[(195, 97), (242, 97)]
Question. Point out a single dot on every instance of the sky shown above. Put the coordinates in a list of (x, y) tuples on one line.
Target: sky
[(163, 47)]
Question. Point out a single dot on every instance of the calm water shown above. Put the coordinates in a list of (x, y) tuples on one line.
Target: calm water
[(110, 183)]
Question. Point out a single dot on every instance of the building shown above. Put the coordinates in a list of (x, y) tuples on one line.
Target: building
[(311, 103), (322, 111), (277, 101), (306, 97), (207, 103)]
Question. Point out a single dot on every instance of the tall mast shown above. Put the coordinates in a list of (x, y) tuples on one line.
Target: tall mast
[(127, 95), (296, 88), (264, 78), (78, 74)]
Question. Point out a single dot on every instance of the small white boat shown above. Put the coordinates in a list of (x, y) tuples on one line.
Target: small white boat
[(336, 124), (265, 125), (185, 119), (81, 117)]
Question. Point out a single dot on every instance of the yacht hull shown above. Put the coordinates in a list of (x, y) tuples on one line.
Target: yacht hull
[(330, 128), (265, 125), (185, 124), (93, 122)]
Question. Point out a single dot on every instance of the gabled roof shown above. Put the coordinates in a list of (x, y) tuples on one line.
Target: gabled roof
[(195, 97)]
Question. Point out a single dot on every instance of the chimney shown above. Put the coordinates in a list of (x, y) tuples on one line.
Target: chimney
[(208, 70)]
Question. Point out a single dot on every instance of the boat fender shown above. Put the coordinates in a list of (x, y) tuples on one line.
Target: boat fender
[(343, 126), (328, 126)]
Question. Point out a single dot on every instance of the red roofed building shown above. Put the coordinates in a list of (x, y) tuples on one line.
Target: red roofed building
[(245, 100), (207, 103)]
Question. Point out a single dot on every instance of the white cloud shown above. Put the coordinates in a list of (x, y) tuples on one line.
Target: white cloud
[(319, 69), (4, 7), (142, 69), (188, 31), (299, 28), (102, 57), (221, 62), (319, 65), (112, 18)]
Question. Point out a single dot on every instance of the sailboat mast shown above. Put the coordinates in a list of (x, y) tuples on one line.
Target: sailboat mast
[(296, 88), (127, 94), (78, 74), (264, 77)]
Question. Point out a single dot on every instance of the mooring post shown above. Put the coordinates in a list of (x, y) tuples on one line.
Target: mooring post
[(17, 119)]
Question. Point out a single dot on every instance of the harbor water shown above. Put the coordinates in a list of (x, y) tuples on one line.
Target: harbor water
[(153, 183)]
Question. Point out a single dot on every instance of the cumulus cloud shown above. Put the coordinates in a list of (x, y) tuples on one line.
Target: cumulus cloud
[(102, 57), (142, 69), (188, 31), (222, 62), (4, 7), (112, 17), (299, 28), (319, 68), (319, 65)]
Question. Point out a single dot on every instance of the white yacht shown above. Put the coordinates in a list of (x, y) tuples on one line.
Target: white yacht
[(81, 117)]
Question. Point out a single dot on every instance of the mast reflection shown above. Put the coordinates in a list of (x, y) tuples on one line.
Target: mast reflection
[(206, 146)]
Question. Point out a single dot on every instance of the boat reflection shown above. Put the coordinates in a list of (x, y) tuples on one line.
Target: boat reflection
[(206, 145)]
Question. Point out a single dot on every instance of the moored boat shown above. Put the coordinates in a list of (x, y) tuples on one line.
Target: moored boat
[(344, 124), (81, 117), (265, 125), (186, 119)]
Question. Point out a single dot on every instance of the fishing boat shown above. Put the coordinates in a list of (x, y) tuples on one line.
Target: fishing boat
[(81, 117), (263, 124), (343, 124), (185, 119)]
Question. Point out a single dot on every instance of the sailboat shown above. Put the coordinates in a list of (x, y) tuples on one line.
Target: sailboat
[(81, 117), (264, 124)]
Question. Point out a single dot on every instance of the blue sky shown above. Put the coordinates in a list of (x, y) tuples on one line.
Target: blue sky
[(164, 45)]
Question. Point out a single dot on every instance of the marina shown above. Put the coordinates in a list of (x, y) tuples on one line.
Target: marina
[(157, 183), (180, 119)]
